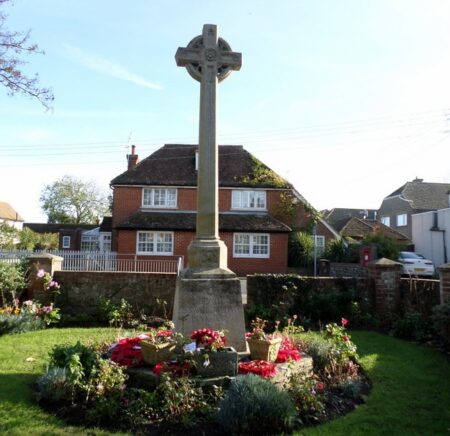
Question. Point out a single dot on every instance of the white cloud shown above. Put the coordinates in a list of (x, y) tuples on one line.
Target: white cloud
[(105, 66)]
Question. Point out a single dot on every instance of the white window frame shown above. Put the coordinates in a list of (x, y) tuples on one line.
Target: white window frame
[(241, 199), (386, 220), (105, 240), (402, 220), (320, 244), (66, 241), (149, 196), (155, 242), (252, 245)]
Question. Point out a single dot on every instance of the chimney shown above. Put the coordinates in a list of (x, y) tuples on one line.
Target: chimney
[(132, 158)]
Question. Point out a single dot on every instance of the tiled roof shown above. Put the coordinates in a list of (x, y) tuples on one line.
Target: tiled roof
[(357, 228), (187, 221), (424, 196), (8, 213), (174, 165), (339, 216), (55, 228)]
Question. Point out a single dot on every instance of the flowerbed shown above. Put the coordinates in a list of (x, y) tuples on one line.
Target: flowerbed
[(94, 384)]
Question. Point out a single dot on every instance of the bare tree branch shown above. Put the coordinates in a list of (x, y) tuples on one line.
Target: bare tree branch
[(13, 45)]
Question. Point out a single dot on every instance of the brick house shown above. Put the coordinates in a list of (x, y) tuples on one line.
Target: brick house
[(155, 202), (412, 198)]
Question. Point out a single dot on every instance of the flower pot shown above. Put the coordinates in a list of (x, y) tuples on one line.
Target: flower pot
[(264, 349), (154, 353), (223, 362)]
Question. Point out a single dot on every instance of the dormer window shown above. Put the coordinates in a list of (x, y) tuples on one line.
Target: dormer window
[(159, 197), (255, 200)]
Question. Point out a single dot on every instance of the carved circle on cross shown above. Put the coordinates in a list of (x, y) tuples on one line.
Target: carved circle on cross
[(195, 69)]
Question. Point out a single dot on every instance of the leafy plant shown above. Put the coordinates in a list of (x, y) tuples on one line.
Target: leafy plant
[(253, 405), (410, 326), (118, 315), (441, 323), (11, 323), (300, 249), (54, 385), (12, 279), (309, 397)]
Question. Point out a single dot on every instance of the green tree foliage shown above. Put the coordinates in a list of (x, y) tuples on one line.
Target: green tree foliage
[(29, 240), (301, 249), (73, 201), (386, 247), (13, 46), (8, 236)]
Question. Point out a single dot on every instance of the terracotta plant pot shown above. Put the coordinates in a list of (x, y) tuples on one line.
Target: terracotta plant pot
[(264, 349), (222, 362), (154, 353)]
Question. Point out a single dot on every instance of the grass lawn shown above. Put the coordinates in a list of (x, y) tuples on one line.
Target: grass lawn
[(411, 393)]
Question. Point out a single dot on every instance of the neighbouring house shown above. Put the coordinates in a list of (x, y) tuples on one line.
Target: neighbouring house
[(75, 237), (9, 216), (431, 235), (339, 216), (412, 198), (358, 229), (155, 202)]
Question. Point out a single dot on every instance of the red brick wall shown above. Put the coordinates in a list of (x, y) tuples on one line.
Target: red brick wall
[(276, 264)]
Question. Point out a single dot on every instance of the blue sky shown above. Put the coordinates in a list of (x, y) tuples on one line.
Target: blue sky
[(346, 99)]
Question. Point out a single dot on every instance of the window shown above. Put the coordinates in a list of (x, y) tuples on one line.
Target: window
[(248, 200), (320, 245), (386, 221), (155, 243), (402, 220), (251, 245), (105, 241), (89, 243), (159, 197), (66, 242)]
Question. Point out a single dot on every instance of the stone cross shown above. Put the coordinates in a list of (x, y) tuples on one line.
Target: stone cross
[(209, 60)]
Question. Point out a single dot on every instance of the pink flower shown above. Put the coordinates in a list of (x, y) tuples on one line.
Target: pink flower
[(28, 303), (54, 284), (345, 338), (344, 322), (40, 273)]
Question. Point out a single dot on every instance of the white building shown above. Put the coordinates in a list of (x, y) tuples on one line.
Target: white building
[(431, 235)]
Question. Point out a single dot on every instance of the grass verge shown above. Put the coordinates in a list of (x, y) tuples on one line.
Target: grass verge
[(410, 396)]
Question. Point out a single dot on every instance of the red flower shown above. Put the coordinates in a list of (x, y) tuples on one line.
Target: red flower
[(288, 351), (178, 369), (320, 386), (259, 367), (346, 338), (344, 322), (208, 338)]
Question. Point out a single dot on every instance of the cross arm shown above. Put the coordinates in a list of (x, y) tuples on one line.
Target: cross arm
[(185, 56), (231, 59)]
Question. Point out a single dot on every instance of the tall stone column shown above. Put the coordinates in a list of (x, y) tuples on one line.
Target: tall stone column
[(208, 294), (444, 276)]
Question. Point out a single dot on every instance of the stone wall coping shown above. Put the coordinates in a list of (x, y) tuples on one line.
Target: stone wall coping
[(45, 256), (385, 263), (445, 267)]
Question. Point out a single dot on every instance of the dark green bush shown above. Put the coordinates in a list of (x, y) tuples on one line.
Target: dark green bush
[(441, 323), (410, 326), (253, 405), (300, 249)]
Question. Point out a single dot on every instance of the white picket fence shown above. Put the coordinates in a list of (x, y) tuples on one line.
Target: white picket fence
[(102, 261)]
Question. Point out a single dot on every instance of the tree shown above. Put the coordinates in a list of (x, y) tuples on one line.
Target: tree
[(73, 201), (29, 240), (14, 45), (8, 236)]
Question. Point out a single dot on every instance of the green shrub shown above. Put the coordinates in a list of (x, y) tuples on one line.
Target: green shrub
[(12, 280), (253, 405), (300, 249), (54, 385), (441, 323), (337, 250), (386, 246), (23, 322), (410, 326), (309, 397)]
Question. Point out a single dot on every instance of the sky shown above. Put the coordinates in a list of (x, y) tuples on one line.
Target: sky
[(348, 100)]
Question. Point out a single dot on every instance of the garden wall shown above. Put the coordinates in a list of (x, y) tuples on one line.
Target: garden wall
[(419, 295), (320, 299), (81, 291)]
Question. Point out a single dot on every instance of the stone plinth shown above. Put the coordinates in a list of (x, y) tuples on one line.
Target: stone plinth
[(286, 369), (444, 276), (214, 303)]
